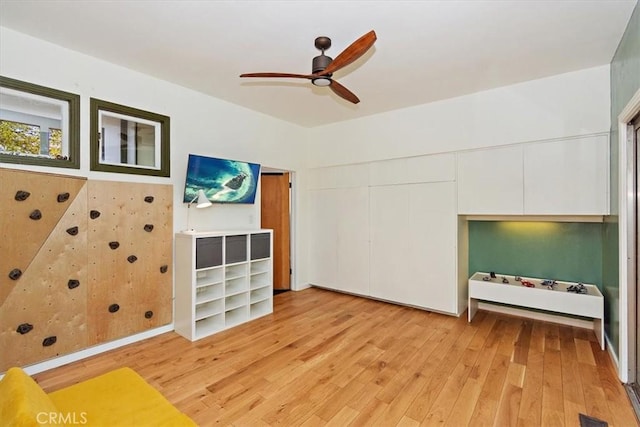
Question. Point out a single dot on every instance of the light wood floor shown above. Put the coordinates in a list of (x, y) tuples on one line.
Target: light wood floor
[(325, 358)]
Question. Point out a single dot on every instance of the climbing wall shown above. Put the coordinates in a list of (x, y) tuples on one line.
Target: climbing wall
[(43, 280), (130, 257), (81, 263)]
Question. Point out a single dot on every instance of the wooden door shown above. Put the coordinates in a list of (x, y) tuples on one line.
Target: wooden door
[(275, 215)]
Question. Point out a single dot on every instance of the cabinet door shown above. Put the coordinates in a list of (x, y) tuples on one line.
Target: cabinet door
[(352, 240), (569, 177), (323, 246), (390, 246), (413, 245), (432, 246), (491, 181)]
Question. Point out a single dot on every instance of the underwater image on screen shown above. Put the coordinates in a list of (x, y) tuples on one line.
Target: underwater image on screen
[(223, 181)]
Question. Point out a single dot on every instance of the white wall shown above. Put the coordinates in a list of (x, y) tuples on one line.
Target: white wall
[(200, 124), (560, 106)]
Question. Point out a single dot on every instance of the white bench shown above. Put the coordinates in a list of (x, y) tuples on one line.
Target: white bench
[(558, 299)]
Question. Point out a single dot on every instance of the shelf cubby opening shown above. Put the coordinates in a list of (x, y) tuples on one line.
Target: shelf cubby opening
[(260, 294), (235, 301), (258, 267), (208, 276), (236, 270), (236, 316), (260, 308), (235, 286), (208, 309), (209, 325), (208, 293)]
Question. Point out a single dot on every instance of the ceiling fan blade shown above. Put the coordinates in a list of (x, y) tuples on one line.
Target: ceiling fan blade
[(351, 53), (295, 76), (343, 92)]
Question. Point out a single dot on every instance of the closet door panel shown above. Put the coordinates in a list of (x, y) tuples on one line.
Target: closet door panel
[(352, 234), (390, 243)]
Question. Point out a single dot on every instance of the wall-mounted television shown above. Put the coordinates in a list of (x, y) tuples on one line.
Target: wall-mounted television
[(222, 180)]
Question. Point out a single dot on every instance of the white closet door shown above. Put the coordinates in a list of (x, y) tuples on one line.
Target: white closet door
[(390, 232), (352, 235), (323, 245), (432, 246)]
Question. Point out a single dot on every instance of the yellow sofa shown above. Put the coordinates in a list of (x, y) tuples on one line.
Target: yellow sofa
[(117, 398)]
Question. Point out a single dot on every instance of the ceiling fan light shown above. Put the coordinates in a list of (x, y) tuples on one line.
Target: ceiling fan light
[(321, 81)]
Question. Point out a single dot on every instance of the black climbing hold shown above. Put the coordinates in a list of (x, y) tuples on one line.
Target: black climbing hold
[(148, 227), (148, 314), (164, 268), (113, 308), (63, 197), (24, 328), (73, 231), (114, 245), (132, 258), (148, 199), (15, 274), (35, 215), (73, 283), (94, 214), (49, 341), (21, 196)]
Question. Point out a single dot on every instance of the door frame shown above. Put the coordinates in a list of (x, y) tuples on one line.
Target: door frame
[(626, 242)]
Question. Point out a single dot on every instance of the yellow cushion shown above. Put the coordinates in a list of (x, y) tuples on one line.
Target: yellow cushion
[(23, 403), (118, 398)]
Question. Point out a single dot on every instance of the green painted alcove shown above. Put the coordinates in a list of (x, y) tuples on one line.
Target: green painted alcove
[(567, 251)]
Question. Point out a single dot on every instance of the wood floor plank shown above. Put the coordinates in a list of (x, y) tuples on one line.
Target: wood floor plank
[(325, 358)]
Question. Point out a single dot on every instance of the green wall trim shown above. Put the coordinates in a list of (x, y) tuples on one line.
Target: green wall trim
[(565, 251)]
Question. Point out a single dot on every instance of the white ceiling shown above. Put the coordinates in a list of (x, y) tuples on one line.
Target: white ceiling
[(426, 50)]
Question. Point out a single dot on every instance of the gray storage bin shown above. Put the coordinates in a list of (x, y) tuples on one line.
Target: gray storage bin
[(260, 246), (236, 249), (208, 252)]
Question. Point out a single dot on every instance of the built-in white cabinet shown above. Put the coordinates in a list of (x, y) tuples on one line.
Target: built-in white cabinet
[(565, 177), (413, 245), (490, 181), (223, 279), (388, 230)]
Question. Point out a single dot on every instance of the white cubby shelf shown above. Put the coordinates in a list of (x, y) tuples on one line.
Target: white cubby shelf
[(223, 279), (557, 300)]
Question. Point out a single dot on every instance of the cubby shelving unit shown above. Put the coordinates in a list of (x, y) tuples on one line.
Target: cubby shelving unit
[(223, 279)]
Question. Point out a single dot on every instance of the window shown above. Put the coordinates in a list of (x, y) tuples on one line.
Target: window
[(38, 125)]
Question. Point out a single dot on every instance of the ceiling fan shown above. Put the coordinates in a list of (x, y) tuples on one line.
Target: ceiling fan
[(324, 66)]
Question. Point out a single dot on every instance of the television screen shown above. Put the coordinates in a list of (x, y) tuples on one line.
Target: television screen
[(222, 180)]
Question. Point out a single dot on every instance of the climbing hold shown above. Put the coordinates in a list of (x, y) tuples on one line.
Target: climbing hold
[(113, 308), (24, 328), (73, 231), (94, 214), (148, 199), (21, 196), (35, 215), (164, 268), (73, 283), (49, 341), (148, 227), (63, 197), (132, 258), (15, 274), (148, 314), (114, 245)]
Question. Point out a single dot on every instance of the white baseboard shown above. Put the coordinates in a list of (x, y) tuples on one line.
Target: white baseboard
[(92, 351)]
